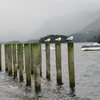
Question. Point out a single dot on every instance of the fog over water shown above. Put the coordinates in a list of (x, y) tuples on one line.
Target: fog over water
[(21, 19)]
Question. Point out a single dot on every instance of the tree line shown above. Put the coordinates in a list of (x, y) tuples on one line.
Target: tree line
[(52, 38)]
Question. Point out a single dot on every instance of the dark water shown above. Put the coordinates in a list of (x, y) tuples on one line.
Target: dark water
[(87, 68)]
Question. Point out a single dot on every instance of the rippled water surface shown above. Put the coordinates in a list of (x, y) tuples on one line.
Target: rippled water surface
[(87, 71)]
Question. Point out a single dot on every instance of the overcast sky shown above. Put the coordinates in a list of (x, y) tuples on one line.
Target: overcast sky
[(21, 18)]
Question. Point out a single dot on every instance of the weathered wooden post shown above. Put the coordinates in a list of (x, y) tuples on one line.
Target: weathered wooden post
[(9, 62), (71, 64), (27, 64), (31, 58), (58, 63), (0, 59), (37, 63), (47, 49), (6, 58), (14, 60), (40, 61), (20, 60)]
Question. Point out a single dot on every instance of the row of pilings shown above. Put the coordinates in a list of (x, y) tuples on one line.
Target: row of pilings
[(29, 55)]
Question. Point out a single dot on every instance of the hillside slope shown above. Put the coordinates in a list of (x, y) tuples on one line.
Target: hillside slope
[(68, 24), (94, 26)]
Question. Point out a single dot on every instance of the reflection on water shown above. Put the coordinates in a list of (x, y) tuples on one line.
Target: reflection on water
[(87, 79)]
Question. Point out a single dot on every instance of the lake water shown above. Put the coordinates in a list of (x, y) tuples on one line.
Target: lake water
[(87, 72)]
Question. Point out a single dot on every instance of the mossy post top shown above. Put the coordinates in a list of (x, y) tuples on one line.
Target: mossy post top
[(70, 44)]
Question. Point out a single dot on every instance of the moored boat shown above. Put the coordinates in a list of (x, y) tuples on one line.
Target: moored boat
[(91, 47)]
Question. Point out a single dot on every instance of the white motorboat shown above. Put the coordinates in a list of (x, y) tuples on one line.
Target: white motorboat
[(91, 47)]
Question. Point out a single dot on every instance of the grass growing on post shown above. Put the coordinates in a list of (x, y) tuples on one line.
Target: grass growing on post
[(36, 66), (27, 64), (58, 63), (47, 46), (20, 60), (71, 64)]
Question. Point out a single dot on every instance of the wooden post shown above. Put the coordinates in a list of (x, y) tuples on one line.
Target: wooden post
[(58, 63), (6, 57), (71, 64), (47, 46), (20, 60), (37, 63), (9, 62), (0, 59), (14, 60), (27, 64), (40, 61), (31, 58)]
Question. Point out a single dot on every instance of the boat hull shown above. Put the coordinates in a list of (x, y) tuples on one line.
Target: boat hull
[(92, 47)]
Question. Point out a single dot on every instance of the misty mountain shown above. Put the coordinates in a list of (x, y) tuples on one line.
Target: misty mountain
[(94, 26), (68, 24), (91, 33), (90, 36)]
